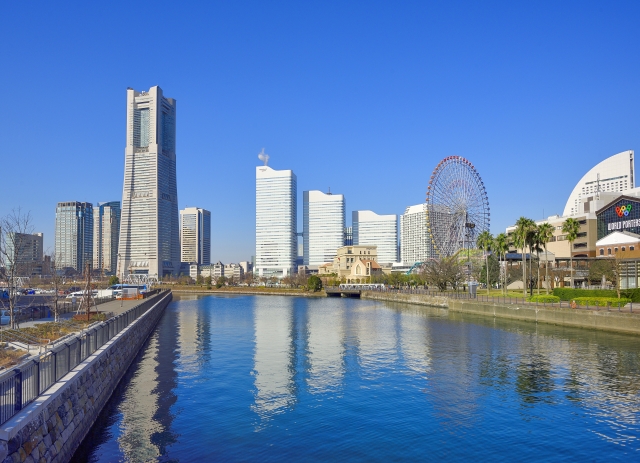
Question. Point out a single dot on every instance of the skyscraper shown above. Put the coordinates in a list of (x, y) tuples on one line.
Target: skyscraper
[(276, 213), (106, 234), (371, 229), (195, 236), (74, 235), (149, 227), (323, 226), (415, 243)]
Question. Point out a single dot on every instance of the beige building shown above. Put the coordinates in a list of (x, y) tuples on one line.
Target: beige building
[(583, 246), (354, 263)]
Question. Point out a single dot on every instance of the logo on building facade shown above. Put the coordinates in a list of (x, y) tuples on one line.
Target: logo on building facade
[(623, 210)]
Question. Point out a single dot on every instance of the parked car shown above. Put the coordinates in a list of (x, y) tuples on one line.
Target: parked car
[(5, 318)]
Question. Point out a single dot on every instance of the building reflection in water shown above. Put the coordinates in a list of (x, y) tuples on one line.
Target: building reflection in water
[(146, 415), (274, 355), (375, 328), (325, 351), (414, 342)]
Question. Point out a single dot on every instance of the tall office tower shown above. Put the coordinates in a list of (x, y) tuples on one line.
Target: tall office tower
[(25, 250), (415, 243), (372, 229), (74, 235), (195, 236), (150, 227), (276, 214), (106, 233), (323, 226)]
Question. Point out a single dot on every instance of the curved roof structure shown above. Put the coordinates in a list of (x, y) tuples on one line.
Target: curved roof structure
[(614, 174)]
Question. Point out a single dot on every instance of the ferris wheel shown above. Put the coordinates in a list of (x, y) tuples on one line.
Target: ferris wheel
[(457, 206)]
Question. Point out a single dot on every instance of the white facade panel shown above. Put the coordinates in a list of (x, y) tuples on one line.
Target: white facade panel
[(323, 228), (371, 229), (415, 243), (276, 210)]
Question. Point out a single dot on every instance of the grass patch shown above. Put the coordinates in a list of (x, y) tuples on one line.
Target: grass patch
[(53, 330), (9, 356)]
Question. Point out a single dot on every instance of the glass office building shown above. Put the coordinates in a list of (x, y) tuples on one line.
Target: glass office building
[(323, 226), (276, 209), (74, 235), (149, 227), (195, 236), (106, 234)]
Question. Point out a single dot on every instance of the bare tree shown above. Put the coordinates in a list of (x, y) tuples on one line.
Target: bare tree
[(13, 247), (57, 281)]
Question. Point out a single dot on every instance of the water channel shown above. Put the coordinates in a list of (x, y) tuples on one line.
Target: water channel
[(267, 378)]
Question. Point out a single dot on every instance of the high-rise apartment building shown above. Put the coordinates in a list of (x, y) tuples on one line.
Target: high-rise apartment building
[(74, 235), (323, 226), (106, 234), (195, 236), (149, 226), (415, 242), (371, 229), (24, 250), (276, 214)]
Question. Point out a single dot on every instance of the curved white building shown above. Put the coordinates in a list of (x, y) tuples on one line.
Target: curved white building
[(616, 174), (323, 226), (371, 229)]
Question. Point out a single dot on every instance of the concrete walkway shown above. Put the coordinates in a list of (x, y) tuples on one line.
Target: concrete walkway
[(116, 307)]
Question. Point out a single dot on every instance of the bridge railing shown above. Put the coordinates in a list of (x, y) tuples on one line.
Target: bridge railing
[(22, 384)]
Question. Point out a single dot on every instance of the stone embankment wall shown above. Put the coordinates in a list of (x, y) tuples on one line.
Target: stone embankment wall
[(51, 428), (418, 299), (603, 319)]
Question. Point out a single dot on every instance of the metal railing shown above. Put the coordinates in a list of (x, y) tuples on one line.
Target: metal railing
[(463, 295), (24, 383)]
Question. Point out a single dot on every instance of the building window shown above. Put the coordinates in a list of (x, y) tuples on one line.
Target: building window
[(602, 251), (615, 249), (631, 248), (609, 251), (624, 248)]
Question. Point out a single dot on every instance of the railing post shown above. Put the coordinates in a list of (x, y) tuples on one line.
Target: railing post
[(17, 384), (37, 376), (55, 366)]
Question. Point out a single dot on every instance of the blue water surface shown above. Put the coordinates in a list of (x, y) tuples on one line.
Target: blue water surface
[(269, 378)]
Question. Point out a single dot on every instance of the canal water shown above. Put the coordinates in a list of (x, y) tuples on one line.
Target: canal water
[(266, 378)]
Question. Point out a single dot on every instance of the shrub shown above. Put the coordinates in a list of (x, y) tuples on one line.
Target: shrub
[(569, 294), (601, 301), (314, 283), (545, 299)]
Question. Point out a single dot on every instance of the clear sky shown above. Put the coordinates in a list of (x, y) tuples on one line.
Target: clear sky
[(362, 97)]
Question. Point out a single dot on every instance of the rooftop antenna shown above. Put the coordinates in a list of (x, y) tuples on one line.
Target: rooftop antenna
[(329, 191), (264, 157)]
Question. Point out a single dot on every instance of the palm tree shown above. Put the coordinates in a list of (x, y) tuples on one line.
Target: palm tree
[(520, 241), (545, 233), (501, 246), (571, 227), (532, 243), (485, 242)]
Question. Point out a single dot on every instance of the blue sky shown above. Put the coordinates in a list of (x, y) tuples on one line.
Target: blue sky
[(362, 97)]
